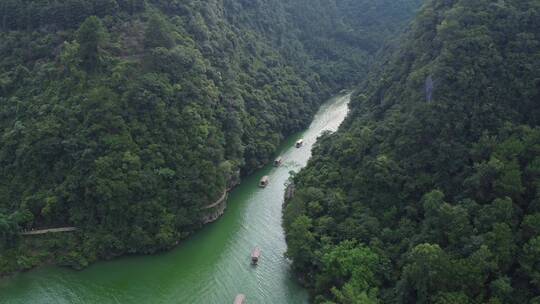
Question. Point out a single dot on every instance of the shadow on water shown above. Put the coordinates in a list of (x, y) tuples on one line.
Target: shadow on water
[(210, 267)]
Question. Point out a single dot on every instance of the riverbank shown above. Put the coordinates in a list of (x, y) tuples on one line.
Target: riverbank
[(210, 266)]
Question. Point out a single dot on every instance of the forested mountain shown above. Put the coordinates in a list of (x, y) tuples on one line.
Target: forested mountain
[(430, 191), (125, 118)]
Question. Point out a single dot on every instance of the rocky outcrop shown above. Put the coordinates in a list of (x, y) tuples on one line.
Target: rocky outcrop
[(289, 192), (215, 210)]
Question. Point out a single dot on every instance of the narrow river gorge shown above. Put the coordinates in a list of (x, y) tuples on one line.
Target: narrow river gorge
[(210, 267)]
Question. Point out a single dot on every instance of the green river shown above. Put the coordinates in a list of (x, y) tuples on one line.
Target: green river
[(210, 267)]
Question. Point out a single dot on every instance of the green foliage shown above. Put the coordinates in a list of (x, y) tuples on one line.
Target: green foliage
[(436, 168), (156, 34), (90, 37), (349, 272), (125, 118)]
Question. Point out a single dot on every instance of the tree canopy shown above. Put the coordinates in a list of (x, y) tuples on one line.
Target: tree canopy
[(125, 118), (435, 171)]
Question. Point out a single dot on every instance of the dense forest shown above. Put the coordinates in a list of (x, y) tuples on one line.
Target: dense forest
[(430, 190), (125, 118)]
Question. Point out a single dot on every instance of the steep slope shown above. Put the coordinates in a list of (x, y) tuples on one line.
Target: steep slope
[(126, 118), (429, 192)]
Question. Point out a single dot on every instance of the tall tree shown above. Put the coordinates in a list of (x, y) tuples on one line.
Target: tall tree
[(91, 36)]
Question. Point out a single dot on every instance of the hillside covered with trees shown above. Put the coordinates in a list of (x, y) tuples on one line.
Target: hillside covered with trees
[(430, 191), (125, 118)]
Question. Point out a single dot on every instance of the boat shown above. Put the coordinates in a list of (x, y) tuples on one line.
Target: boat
[(240, 299), (264, 181), (278, 162), (299, 143), (255, 255)]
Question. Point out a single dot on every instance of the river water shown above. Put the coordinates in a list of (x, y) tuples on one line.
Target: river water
[(210, 267)]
